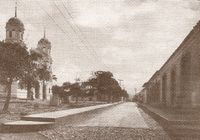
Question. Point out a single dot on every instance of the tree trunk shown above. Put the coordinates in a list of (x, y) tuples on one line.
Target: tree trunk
[(44, 91), (76, 97), (66, 99), (37, 90), (109, 99), (7, 102), (29, 91)]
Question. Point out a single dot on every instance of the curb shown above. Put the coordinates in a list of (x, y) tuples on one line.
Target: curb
[(15, 127), (176, 129), (156, 115)]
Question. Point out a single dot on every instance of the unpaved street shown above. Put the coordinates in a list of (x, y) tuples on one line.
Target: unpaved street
[(124, 115), (121, 122)]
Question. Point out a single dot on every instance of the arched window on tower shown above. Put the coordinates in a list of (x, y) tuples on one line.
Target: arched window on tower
[(13, 34), (10, 34), (16, 34), (44, 49), (19, 34)]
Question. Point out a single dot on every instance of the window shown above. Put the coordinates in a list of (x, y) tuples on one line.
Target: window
[(13, 34), (10, 33), (16, 34), (44, 49)]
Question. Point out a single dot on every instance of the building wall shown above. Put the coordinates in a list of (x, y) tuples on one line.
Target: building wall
[(179, 77)]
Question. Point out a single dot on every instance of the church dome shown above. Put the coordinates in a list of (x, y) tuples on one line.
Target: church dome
[(44, 41), (15, 23)]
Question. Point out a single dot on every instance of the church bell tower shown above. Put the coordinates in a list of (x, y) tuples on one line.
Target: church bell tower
[(14, 29)]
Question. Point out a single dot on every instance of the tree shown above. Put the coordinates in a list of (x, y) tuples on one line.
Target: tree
[(30, 79), (66, 91), (58, 90), (75, 90), (13, 66), (124, 94), (88, 89), (106, 85)]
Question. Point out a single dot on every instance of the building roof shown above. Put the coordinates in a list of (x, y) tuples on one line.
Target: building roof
[(152, 78), (181, 46), (44, 41), (16, 23)]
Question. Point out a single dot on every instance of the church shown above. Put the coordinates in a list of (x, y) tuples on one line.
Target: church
[(14, 34)]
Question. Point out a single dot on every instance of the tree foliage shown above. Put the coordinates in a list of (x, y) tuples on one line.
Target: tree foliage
[(102, 84), (14, 60), (68, 89), (106, 84), (30, 78)]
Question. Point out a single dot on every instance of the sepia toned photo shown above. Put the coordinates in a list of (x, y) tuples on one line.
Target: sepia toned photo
[(99, 69)]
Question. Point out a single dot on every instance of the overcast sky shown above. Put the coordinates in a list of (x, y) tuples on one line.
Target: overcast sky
[(131, 38)]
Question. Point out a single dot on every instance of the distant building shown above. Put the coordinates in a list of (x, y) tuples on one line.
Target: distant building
[(177, 83)]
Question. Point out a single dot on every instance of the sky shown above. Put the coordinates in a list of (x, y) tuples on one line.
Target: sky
[(130, 38)]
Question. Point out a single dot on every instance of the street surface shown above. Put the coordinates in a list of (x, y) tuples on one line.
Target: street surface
[(121, 122), (123, 115)]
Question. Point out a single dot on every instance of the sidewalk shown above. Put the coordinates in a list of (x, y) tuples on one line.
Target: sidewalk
[(173, 115), (58, 116), (177, 123), (42, 121)]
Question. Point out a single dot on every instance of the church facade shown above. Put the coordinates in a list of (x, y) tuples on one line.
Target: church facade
[(44, 49), (14, 34), (177, 82)]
